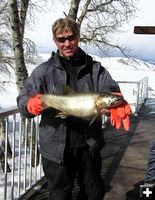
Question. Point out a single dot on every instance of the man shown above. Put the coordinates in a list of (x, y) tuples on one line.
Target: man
[(69, 146)]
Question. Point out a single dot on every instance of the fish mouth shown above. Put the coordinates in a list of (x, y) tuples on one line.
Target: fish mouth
[(117, 102)]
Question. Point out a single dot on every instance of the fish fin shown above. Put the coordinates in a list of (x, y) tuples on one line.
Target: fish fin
[(93, 119), (53, 88), (63, 115), (67, 90)]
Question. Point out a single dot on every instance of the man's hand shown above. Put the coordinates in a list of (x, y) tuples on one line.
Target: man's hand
[(34, 104), (120, 115)]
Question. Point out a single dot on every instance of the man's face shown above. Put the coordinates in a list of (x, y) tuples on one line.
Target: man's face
[(67, 43)]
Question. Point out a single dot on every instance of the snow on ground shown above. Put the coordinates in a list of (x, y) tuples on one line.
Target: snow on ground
[(123, 69)]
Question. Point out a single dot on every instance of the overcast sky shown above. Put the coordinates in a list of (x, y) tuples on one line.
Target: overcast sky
[(142, 45)]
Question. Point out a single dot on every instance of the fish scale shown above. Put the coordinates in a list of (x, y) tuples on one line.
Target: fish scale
[(81, 104)]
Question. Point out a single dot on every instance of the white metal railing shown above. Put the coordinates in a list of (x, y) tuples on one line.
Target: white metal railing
[(135, 92), (21, 164), (19, 155)]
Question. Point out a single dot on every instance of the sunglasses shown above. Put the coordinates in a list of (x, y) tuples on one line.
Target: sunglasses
[(63, 39)]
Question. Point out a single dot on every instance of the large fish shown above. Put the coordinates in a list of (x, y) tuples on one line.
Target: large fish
[(85, 105)]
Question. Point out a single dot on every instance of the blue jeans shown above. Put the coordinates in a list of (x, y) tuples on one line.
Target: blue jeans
[(150, 171)]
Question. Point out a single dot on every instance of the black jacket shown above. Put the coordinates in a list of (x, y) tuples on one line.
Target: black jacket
[(48, 78)]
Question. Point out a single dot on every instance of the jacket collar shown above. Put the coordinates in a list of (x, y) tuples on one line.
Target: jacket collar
[(81, 60)]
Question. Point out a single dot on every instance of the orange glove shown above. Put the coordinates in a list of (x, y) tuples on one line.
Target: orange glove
[(34, 104), (120, 114)]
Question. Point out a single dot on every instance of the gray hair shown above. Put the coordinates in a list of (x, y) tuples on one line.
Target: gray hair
[(65, 24)]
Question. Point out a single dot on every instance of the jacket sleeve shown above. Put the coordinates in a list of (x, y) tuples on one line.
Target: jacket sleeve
[(32, 86), (103, 81)]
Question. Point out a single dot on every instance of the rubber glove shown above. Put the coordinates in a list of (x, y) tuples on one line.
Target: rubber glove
[(120, 115), (34, 104)]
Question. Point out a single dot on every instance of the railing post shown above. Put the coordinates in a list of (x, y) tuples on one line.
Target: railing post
[(19, 156), (6, 160), (13, 156), (137, 102)]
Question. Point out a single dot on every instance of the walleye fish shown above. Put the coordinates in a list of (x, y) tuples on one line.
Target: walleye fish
[(85, 105)]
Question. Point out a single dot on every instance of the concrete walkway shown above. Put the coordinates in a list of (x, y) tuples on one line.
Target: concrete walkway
[(125, 155)]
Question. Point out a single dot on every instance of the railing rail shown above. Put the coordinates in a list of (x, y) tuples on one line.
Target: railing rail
[(135, 92), (20, 159)]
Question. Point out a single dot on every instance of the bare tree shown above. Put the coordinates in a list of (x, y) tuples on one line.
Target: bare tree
[(74, 7), (17, 26), (5, 60), (15, 49), (101, 19)]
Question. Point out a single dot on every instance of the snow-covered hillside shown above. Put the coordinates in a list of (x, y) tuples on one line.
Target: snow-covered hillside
[(119, 63), (124, 69), (121, 69)]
